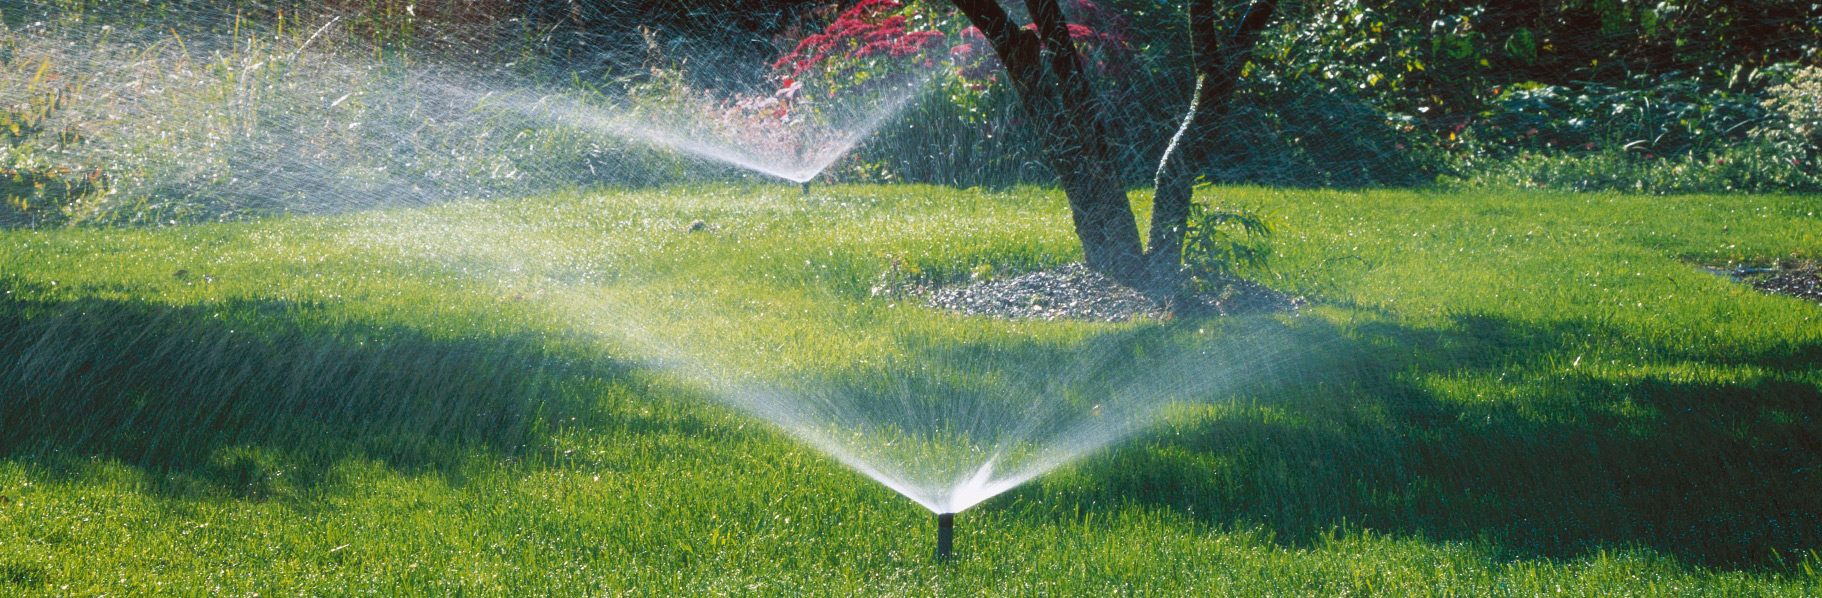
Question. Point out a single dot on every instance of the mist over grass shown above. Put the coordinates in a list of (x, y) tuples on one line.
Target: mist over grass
[(1494, 391), (203, 111), (479, 297)]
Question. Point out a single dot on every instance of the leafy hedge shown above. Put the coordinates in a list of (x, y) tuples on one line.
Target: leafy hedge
[(1660, 97)]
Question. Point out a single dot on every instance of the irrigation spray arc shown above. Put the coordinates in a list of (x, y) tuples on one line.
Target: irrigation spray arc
[(797, 150), (209, 113), (946, 436), (947, 433)]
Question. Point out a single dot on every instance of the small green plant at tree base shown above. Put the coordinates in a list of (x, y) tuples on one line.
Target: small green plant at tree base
[(1221, 244)]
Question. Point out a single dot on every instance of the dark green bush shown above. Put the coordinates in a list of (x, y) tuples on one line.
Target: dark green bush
[(1220, 245), (1666, 134), (1662, 97), (1303, 135)]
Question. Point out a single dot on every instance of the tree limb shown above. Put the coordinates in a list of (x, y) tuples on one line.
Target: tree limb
[(1053, 30), (1066, 113), (1219, 60), (1016, 48)]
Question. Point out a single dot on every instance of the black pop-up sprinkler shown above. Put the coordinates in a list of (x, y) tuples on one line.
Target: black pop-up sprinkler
[(806, 187), (945, 535)]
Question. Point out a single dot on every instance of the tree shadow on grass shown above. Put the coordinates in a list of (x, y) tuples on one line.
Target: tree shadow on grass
[(1467, 432), (224, 398), (1355, 426)]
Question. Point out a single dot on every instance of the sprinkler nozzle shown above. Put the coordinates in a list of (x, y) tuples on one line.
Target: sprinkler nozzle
[(945, 535), (806, 187)]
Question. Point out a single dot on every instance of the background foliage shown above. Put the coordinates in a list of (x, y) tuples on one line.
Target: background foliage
[(1660, 96)]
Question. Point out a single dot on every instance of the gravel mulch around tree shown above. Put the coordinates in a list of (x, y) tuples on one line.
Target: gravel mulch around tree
[(1075, 292)]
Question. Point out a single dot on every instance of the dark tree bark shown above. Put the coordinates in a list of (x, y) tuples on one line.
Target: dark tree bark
[(1217, 77), (1045, 69), (1046, 72)]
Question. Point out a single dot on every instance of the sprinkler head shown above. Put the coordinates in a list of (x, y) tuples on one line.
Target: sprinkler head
[(806, 187), (945, 535)]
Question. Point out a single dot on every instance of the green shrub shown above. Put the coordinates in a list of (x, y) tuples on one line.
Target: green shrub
[(1796, 103), (1671, 114), (1748, 167), (1220, 245), (1305, 135), (1669, 133)]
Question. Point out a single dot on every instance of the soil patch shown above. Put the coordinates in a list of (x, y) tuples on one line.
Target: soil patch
[(1806, 284), (1803, 281), (1074, 292)]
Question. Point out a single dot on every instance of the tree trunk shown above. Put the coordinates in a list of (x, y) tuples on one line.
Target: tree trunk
[(1217, 77), (1046, 72), (1079, 150), (1062, 104)]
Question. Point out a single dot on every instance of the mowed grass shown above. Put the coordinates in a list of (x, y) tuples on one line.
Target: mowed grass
[(1491, 394)]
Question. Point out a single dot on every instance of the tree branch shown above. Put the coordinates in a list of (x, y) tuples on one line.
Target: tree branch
[(1016, 48), (1053, 30), (1066, 112), (1219, 60)]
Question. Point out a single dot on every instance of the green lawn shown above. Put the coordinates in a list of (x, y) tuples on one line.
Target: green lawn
[(1491, 394)]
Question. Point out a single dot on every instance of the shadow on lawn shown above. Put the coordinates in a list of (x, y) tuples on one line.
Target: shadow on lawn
[(1354, 426), (1363, 433), (249, 398)]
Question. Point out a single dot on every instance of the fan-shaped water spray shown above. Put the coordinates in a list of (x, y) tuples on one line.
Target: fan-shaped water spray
[(292, 122), (187, 119), (795, 150), (947, 424)]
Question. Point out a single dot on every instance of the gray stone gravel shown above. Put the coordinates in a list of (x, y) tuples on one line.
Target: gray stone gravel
[(1072, 292), (1077, 293), (1803, 283)]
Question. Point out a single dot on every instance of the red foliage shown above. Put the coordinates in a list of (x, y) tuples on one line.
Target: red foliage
[(868, 29), (882, 30)]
